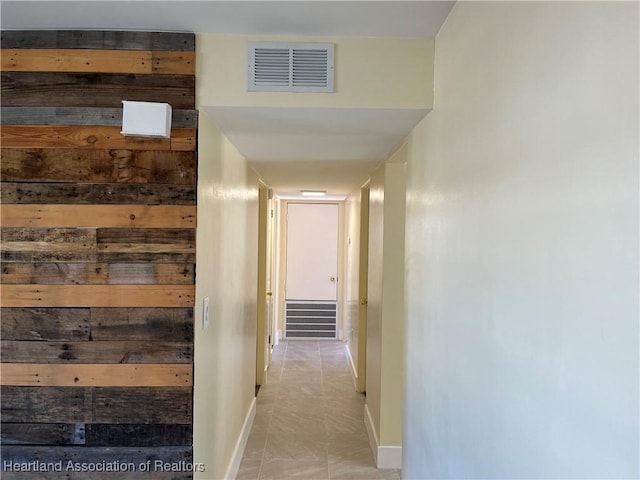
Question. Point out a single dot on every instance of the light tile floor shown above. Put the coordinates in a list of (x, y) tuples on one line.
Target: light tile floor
[(309, 419)]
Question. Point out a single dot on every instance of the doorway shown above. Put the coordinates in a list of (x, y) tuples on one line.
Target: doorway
[(311, 274)]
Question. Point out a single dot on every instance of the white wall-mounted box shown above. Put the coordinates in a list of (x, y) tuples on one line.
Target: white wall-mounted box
[(146, 119)]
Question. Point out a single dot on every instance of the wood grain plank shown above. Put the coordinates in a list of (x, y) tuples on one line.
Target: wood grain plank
[(25, 245), (98, 295), (76, 60), (135, 216), (110, 405), (137, 435), (43, 433), (62, 136), (40, 89), (83, 116), (96, 352), (98, 39), (46, 324), (48, 244), (96, 375), (97, 194), (146, 324), (98, 166), (177, 63), (127, 458), (98, 273)]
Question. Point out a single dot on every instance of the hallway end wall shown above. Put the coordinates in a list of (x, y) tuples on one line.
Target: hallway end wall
[(225, 353), (522, 247)]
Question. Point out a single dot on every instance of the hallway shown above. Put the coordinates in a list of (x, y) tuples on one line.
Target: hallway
[(309, 419)]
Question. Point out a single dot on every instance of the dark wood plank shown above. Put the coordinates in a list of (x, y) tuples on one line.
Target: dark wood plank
[(112, 405), (174, 236), (43, 434), (82, 116), (127, 459), (97, 193), (56, 89), (63, 136), (98, 273), (98, 166), (96, 352), (150, 324), (48, 324), (137, 435), (98, 39)]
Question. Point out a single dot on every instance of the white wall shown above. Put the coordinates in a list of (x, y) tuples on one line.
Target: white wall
[(385, 311), (522, 247), (225, 353)]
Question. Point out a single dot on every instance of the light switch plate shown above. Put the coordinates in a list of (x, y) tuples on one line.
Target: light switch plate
[(205, 313)]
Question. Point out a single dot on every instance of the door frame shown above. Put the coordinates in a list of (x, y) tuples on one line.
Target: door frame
[(263, 349), (363, 273)]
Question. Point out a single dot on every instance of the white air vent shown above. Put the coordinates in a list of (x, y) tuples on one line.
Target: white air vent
[(290, 67)]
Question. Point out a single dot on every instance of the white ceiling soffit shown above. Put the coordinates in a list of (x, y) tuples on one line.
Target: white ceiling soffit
[(308, 134), (324, 18), (331, 149)]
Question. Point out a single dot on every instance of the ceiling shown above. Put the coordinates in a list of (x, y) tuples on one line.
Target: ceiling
[(291, 148)]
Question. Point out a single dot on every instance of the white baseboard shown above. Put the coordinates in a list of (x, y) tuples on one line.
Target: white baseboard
[(385, 456), (238, 451)]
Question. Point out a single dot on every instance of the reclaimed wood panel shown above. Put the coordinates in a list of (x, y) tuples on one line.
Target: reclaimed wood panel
[(98, 166), (111, 405), (96, 352), (83, 116), (90, 245), (43, 433), (62, 136), (46, 324), (97, 193), (98, 39), (96, 375), (98, 295), (143, 324), (81, 216), (139, 435), (75, 60), (98, 273), (95, 89)]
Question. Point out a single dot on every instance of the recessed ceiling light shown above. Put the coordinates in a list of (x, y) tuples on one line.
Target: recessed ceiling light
[(313, 193)]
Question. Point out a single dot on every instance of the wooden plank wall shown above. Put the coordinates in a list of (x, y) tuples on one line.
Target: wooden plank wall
[(98, 253)]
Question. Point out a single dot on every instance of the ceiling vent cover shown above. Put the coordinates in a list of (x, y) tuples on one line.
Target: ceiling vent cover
[(290, 67)]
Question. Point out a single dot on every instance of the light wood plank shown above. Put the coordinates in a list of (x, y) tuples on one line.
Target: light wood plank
[(62, 136), (136, 216), (96, 375), (76, 60), (97, 296)]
